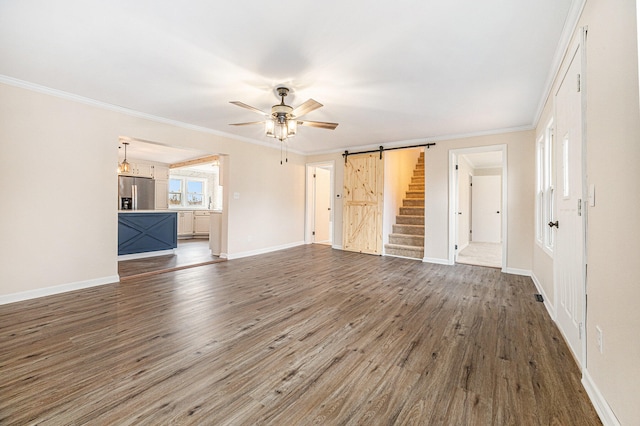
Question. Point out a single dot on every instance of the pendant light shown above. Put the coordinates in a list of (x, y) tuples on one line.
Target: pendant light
[(125, 167)]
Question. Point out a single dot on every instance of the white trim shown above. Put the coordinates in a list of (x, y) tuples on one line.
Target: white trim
[(516, 271), (263, 250), (99, 104), (603, 409), (336, 246), (437, 261), (63, 288), (433, 139), (570, 26), (638, 32), (547, 304), (146, 254), (309, 221)]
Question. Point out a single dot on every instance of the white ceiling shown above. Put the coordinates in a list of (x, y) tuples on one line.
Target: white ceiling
[(405, 70), (484, 160)]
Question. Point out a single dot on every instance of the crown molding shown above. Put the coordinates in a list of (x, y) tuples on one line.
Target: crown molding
[(568, 31), (133, 113)]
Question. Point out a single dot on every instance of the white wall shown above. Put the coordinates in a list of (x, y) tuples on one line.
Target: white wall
[(521, 162), (464, 207), (52, 237), (520, 193), (613, 243)]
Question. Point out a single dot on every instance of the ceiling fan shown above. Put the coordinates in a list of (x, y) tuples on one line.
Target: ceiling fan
[(283, 121)]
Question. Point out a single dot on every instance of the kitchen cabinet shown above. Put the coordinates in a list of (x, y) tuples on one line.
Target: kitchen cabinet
[(160, 172), (162, 194), (200, 223), (185, 223), (139, 170), (142, 170), (193, 223)]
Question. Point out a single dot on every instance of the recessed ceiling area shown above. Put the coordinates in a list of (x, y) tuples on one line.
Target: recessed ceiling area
[(387, 72)]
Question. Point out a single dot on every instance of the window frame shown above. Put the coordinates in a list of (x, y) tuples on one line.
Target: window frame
[(184, 194), (545, 188)]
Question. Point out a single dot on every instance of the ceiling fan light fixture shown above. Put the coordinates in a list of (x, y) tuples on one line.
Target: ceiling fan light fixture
[(281, 131), (292, 127), (269, 128)]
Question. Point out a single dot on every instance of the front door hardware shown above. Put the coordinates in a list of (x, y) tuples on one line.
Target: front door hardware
[(552, 224)]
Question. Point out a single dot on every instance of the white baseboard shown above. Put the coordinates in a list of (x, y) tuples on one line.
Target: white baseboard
[(263, 251), (63, 288), (336, 246), (546, 302), (603, 409), (516, 271), (436, 261), (146, 254)]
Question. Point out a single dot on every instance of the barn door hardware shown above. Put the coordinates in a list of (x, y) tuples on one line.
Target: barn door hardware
[(382, 149)]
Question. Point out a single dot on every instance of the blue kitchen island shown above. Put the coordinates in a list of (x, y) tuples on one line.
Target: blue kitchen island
[(146, 231)]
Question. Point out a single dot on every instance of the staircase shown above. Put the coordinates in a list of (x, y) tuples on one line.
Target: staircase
[(407, 239)]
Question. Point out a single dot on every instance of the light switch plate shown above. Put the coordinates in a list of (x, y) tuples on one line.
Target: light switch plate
[(592, 195)]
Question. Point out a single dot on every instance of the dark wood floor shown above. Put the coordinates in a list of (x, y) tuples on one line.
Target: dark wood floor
[(190, 253), (309, 335)]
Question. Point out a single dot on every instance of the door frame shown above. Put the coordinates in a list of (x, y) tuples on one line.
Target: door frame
[(309, 222), (453, 198)]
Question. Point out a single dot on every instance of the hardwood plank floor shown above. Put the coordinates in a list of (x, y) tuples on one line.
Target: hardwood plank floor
[(308, 335), (190, 253)]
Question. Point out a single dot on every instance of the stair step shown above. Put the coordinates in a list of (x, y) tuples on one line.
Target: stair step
[(415, 194), (407, 240), (412, 211), (409, 220), (413, 202), (417, 179), (404, 251), (419, 166), (408, 229), (416, 187)]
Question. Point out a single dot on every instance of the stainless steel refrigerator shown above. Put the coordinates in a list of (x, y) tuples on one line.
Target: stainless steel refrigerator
[(136, 193)]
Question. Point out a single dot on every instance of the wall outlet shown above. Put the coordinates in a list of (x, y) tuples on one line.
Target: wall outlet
[(599, 338)]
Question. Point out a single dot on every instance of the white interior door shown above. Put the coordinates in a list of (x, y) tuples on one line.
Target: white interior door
[(486, 199), (322, 215), (569, 262)]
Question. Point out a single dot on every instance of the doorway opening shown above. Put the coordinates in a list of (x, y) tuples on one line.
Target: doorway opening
[(319, 205), (477, 206), (191, 183)]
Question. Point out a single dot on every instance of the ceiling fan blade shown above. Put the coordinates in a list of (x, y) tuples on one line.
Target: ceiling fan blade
[(246, 124), (305, 108), (249, 107), (320, 124)]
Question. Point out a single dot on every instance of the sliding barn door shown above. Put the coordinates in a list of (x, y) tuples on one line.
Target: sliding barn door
[(362, 203)]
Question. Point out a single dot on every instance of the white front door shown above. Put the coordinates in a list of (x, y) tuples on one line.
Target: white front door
[(486, 199), (569, 260)]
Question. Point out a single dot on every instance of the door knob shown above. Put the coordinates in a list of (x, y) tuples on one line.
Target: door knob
[(552, 224)]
